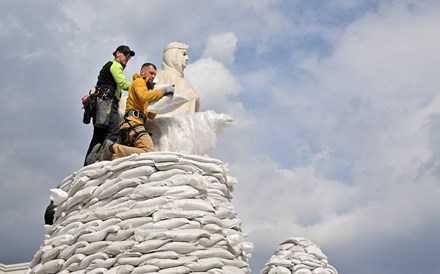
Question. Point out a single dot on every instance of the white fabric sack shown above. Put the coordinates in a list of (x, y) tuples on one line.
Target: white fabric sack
[(180, 247), (175, 270), (156, 201), (98, 235), (120, 235), (205, 264), (69, 251), (166, 104), (148, 246), (187, 235), (188, 133), (303, 271), (100, 263), (161, 255), (121, 269), (190, 204), (279, 270), (233, 269), (92, 257), (58, 196), (77, 258), (213, 252), (51, 254), (167, 223), (145, 269), (168, 263), (100, 270), (135, 222), (51, 266), (119, 247), (93, 248)]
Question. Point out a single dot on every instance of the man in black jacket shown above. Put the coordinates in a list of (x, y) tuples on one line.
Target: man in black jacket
[(111, 82)]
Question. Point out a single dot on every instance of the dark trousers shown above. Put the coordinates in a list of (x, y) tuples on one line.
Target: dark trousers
[(111, 132)]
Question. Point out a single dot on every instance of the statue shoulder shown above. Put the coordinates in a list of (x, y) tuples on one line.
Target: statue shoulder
[(166, 77)]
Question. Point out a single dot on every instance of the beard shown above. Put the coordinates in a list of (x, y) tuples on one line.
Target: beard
[(150, 85)]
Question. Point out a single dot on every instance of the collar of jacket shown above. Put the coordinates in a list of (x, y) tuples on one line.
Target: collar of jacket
[(137, 75), (116, 61)]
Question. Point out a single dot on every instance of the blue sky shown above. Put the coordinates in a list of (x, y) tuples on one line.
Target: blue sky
[(336, 102)]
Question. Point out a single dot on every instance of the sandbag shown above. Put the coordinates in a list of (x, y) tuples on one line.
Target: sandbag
[(166, 104)]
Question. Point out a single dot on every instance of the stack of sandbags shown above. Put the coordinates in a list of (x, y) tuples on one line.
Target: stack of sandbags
[(156, 212), (298, 256)]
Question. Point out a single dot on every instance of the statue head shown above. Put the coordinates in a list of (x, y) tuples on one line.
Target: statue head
[(175, 57)]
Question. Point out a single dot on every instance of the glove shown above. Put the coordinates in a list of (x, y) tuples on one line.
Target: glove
[(168, 90)]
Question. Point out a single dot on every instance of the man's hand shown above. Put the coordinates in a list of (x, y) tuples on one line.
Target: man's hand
[(168, 90)]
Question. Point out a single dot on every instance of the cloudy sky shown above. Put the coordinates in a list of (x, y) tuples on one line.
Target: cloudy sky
[(336, 101)]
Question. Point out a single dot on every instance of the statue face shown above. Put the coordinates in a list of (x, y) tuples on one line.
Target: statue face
[(176, 58), (182, 58)]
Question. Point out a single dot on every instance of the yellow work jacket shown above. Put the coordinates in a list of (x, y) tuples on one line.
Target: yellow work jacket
[(139, 97)]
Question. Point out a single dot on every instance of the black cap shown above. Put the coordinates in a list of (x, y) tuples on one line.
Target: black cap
[(125, 50)]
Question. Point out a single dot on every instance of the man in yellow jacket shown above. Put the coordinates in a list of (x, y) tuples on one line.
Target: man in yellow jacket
[(133, 136)]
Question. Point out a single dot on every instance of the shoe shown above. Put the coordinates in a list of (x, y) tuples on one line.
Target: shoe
[(105, 152), (93, 156)]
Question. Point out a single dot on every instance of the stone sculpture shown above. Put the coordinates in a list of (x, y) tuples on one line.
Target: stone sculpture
[(174, 62)]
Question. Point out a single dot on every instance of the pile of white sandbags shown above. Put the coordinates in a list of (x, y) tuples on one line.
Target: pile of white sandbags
[(159, 212), (298, 256)]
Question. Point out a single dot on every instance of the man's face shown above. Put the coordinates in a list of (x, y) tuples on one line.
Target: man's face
[(151, 73), (122, 57)]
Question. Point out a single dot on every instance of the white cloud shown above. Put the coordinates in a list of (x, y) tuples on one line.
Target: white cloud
[(215, 84), (222, 47)]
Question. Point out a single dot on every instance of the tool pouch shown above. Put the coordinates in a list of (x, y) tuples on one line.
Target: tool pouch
[(104, 101), (89, 109)]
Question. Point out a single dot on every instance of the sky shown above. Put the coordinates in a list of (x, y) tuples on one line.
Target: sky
[(336, 104)]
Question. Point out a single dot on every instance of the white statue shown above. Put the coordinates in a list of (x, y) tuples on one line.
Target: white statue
[(174, 61)]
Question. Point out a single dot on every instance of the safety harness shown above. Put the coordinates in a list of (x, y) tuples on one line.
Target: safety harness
[(124, 133), (135, 113)]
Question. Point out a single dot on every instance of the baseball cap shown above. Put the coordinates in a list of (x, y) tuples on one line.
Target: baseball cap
[(125, 50)]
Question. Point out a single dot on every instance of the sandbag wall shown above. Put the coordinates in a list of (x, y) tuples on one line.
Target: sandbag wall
[(156, 212), (298, 255)]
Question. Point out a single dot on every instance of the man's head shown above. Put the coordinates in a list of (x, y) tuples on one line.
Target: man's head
[(149, 70), (175, 56), (123, 54)]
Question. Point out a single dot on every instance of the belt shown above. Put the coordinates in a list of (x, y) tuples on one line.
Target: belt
[(135, 114), (104, 92)]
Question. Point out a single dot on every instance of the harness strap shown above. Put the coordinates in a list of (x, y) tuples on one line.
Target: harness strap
[(137, 133), (135, 113)]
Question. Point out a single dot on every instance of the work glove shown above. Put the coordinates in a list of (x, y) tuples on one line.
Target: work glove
[(168, 90)]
